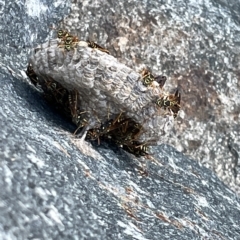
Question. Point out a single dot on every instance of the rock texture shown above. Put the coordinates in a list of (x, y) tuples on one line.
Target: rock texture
[(51, 190), (196, 45), (23, 25)]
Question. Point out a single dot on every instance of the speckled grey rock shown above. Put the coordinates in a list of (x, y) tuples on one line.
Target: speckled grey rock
[(23, 25), (196, 45), (50, 190)]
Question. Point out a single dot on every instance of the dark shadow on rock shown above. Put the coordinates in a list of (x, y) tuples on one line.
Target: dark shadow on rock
[(36, 102)]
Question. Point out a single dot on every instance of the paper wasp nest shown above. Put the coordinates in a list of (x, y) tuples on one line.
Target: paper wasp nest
[(106, 87)]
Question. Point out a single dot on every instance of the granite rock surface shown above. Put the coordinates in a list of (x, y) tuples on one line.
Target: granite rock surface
[(54, 186), (196, 45)]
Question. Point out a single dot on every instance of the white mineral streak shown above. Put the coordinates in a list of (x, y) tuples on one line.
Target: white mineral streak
[(106, 87), (35, 8)]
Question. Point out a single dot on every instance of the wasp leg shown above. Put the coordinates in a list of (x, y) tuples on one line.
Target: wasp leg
[(92, 44)]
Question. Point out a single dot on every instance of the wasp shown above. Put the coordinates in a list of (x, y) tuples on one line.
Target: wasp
[(79, 121), (122, 131), (62, 33), (70, 40), (73, 106), (148, 78), (67, 41), (100, 132), (52, 87), (76, 113), (126, 137), (136, 148), (105, 130), (48, 85), (92, 44), (170, 102), (56, 95), (65, 101), (93, 134), (127, 133), (96, 133)]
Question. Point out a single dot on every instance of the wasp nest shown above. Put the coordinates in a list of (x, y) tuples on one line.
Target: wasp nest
[(102, 95)]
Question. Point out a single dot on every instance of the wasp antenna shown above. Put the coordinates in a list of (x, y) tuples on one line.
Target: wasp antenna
[(178, 95)]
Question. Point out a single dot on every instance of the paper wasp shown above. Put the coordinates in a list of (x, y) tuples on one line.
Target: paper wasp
[(148, 78), (48, 85), (92, 44), (62, 33), (65, 36), (127, 138), (67, 41), (76, 113), (65, 101), (136, 148), (170, 102), (105, 129), (124, 132)]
